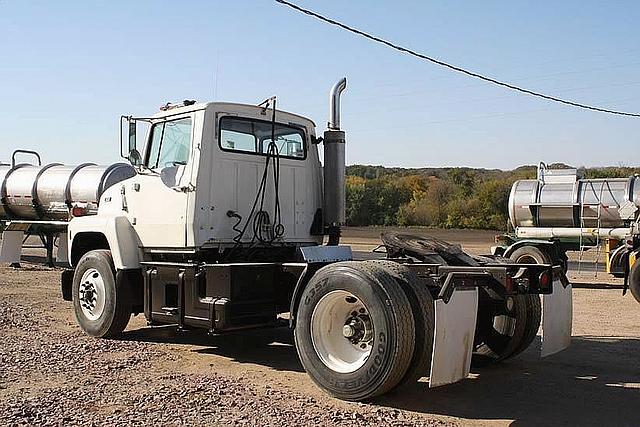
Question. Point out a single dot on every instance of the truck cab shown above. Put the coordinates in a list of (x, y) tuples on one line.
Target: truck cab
[(199, 178)]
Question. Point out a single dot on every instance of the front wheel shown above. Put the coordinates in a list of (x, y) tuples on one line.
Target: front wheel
[(354, 330), (102, 307)]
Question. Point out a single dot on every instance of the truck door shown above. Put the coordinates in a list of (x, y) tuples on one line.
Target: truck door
[(157, 197), (241, 147)]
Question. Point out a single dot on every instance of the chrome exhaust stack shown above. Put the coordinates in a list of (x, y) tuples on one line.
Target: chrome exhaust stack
[(334, 104), (334, 210)]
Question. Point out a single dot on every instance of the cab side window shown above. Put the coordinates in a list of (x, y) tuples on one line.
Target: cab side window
[(170, 144)]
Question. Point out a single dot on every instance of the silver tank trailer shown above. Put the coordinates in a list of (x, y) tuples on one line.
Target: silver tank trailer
[(48, 192), (560, 198)]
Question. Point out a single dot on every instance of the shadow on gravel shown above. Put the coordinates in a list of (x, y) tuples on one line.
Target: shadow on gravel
[(268, 347), (36, 262), (594, 382)]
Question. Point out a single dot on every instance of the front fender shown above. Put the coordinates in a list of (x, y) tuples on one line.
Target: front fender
[(122, 238)]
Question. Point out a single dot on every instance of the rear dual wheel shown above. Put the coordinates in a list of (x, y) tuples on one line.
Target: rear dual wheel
[(507, 328), (355, 329), (423, 309)]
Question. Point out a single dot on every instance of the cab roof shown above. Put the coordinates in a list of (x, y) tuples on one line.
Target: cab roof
[(222, 106)]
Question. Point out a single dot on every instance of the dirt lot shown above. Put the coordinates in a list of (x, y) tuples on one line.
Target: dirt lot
[(50, 373)]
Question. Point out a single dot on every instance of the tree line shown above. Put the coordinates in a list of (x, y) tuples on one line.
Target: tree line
[(441, 197)]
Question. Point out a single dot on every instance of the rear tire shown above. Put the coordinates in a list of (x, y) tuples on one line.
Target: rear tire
[(354, 330), (102, 307), (423, 309), (502, 333), (534, 317), (531, 303)]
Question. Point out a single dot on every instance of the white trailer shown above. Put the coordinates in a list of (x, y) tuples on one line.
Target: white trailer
[(222, 227)]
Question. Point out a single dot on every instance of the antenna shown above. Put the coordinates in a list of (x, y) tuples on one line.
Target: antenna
[(215, 77)]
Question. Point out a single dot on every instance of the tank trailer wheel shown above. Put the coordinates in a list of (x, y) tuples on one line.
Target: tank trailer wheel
[(529, 255), (534, 255), (102, 307), (634, 280), (423, 309), (354, 330)]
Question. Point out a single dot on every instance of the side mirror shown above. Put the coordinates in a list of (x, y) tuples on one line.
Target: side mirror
[(134, 157), (132, 135), (131, 139)]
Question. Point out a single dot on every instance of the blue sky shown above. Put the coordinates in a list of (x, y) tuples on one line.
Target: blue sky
[(69, 69)]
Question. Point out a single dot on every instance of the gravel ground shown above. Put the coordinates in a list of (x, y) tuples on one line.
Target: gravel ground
[(52, 374)]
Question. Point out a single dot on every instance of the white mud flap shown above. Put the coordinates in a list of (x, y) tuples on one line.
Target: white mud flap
[(455, 328), (11, 246), (557, 315), (61, 255)]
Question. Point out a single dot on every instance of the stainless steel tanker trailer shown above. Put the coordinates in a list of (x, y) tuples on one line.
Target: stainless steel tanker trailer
[(37, 199), (226, 220), (561, 211)]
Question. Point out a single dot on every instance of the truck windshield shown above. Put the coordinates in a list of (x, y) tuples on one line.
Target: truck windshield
[(254, 136), (170, 144)]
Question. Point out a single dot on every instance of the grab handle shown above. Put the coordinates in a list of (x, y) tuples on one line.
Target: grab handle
[(13, 157)]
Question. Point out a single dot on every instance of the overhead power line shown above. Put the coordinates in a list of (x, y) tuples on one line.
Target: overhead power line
[(452, 67)]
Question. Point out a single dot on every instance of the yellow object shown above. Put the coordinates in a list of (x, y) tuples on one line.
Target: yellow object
[(632, 259), (609, 246)]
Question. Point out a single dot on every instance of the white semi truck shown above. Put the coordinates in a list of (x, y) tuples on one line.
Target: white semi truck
[(218, 222)]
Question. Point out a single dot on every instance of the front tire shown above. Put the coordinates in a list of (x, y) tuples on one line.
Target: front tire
[(102, 307), (354, 330)]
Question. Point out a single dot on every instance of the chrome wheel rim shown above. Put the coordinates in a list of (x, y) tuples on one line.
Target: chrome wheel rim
[(342, 331), (92, 294)]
